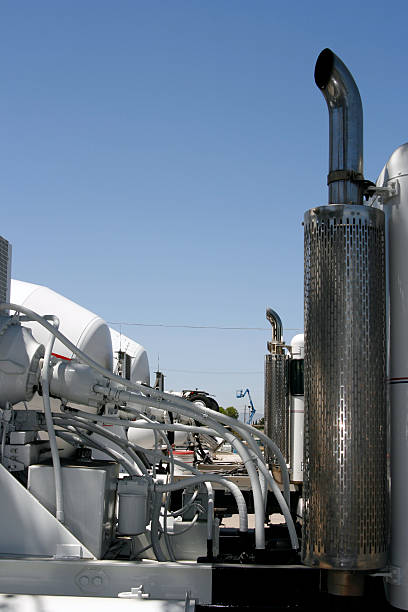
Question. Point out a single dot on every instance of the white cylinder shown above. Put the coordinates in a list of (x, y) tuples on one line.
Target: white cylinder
[(187, 457), (133, 516), (396, 209), (297, 411), (84, 328), (74, 382), (145, 437)]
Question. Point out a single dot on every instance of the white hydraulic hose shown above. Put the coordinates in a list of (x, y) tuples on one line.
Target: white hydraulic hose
[(45, 385), (83, 438), (77, 420), (191, 428), (186, 506), (193, 522), (247, 460), (127, 423), (232, 487), (155, 519), (155, 526), (172, 400), (157, 432), (154, 393), (207, 415), (75, 430), (84, 423), (246, 431), (264, 484), (210, 491), (210, 515), (194, 413), (266, 477), (112, 437), (282, 504), (243, 518), (122, 443)]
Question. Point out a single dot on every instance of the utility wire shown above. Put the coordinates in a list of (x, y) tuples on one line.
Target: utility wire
[(198, 326), (215, 371)]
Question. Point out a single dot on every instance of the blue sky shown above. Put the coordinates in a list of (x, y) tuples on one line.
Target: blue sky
[(157, 159)]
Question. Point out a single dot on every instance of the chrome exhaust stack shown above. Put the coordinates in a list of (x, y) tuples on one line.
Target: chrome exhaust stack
[(345, 178), (345, 485), (276, 412)]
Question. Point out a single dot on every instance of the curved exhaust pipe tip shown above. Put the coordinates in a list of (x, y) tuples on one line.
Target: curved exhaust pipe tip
[(324, 68), (345, 178), (277, 327)]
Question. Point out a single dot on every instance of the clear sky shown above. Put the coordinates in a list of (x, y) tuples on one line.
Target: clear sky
[(158, 156)]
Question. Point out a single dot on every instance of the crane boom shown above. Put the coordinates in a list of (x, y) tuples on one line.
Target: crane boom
[(241, 393)]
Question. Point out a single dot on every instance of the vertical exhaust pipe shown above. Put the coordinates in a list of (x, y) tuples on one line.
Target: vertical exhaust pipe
[(276, 412), (277, 328), (345, 485), (345, 129)]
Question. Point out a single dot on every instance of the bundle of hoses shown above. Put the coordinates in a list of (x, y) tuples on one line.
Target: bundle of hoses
[(121, 391)]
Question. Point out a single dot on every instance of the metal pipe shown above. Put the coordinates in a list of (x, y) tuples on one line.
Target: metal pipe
[(277, 327), (276, 407), (346, 129), (45, 384)]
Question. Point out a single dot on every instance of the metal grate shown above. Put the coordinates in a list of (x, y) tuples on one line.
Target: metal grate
[(345, 492), (5, 261), (276, 410)]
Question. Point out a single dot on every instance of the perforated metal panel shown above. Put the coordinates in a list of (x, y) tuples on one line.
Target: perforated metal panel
[(276, 409), (345, 524), (5, 263)]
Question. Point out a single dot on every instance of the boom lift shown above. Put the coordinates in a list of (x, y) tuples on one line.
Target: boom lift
[(241, 393)]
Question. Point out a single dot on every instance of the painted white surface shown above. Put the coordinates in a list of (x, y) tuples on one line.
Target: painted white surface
[(139, 367), (396, 211), (297, 417), (84, 328)]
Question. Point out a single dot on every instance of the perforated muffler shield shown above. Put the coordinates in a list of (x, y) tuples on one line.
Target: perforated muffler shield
[(276, 404), (345, 522)]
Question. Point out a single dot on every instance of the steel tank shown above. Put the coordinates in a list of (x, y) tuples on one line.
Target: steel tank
[(345, 485), (395, 176)]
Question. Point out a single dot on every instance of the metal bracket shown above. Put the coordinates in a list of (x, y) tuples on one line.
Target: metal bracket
[(395, 576), (392, 575), (344, 175), (385, 193), (68, 551), (277, 348), (134, 593), (188, 602)]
